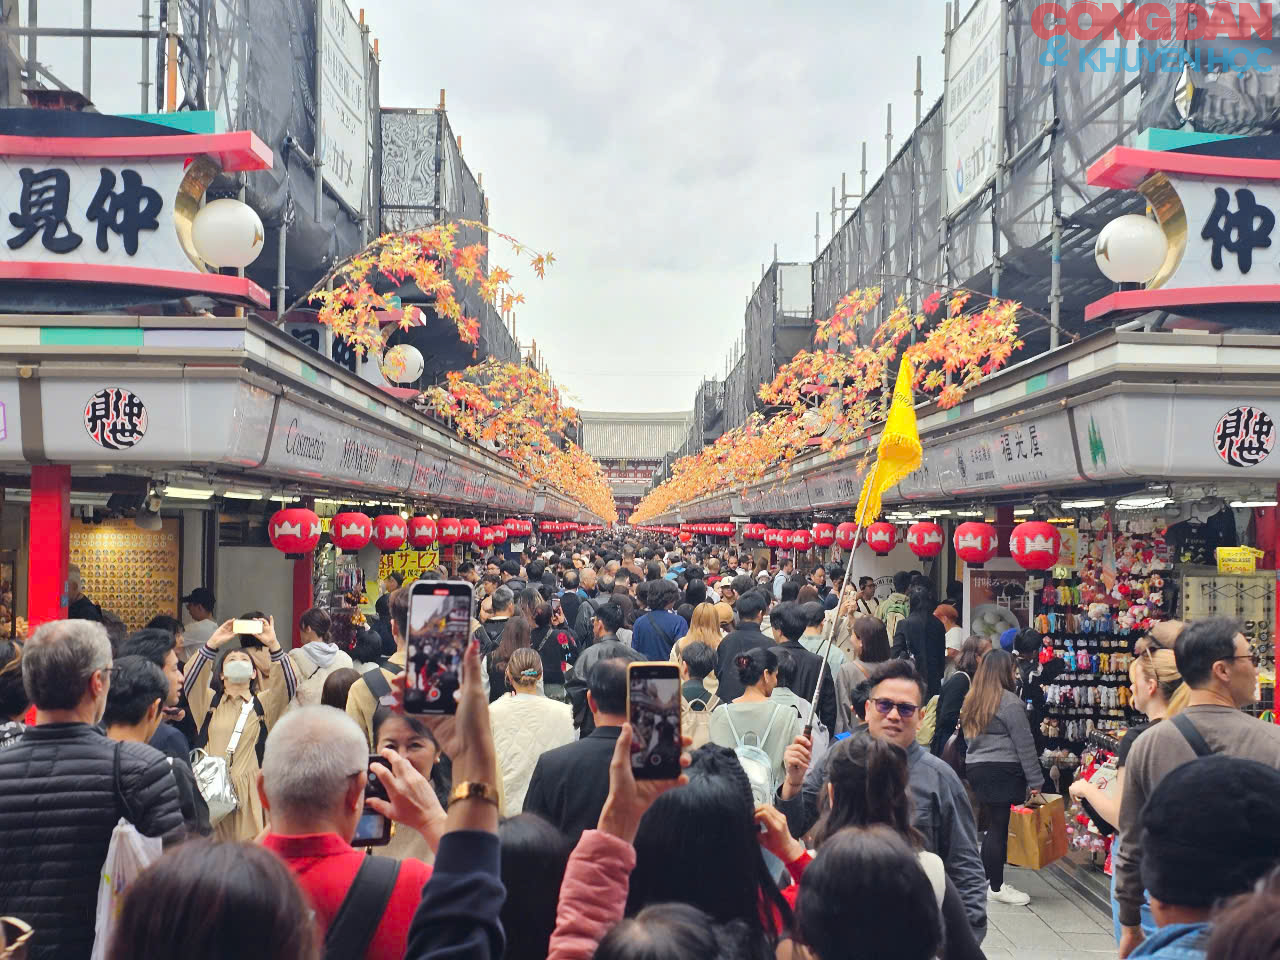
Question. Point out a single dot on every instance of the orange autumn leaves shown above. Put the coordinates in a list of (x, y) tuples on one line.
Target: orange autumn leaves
[(833, 394), (517, 411), (350, 304)]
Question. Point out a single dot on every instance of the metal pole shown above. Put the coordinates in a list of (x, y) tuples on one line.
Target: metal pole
[(919, 88), (1002, 124), (33, 17), (86, 82), (281, 243), (318, 154), (817, 230), (888, 137), (145, 83)]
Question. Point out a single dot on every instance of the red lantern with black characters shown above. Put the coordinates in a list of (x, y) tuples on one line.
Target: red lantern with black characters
[(294, 531), (824, 534), (881, 537), (422, 532), (389, 532), (500, 534), (800, 539), (976, 542), (1035, 545), (925, 539), (351, 531), (450, 531), (470, 530), (845, 534)]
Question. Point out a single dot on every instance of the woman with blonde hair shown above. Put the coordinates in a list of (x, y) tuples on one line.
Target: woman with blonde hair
[(703, 628), (525, 724), (1159, 693), (1001, 763)]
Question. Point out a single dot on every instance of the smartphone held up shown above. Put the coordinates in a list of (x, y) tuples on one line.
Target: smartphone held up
[(373, 829), (653, 708), (439, 630)]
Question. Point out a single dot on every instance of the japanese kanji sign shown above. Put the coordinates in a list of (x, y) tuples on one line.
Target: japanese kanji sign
[(411, 563), (1244, 436), (115, 418), (116, 209)]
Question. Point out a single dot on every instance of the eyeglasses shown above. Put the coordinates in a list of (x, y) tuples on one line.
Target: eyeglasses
[(885, 706), (1253, 657)]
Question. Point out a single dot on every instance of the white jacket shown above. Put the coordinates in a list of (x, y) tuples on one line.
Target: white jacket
[(524, 727)]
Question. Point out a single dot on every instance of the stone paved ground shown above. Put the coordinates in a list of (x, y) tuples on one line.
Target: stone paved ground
[(1058, 924)]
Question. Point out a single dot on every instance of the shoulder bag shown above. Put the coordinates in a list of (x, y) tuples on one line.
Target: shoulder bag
[(361, 909), (212, 773)]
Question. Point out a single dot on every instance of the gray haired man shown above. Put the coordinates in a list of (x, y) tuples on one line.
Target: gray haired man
[(64, 786)]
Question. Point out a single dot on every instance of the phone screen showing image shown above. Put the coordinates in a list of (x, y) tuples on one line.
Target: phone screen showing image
[(653, 707), (439, 630)]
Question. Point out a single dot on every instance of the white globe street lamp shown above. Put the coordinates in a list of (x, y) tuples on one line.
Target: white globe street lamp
[(227, 233), (1130, 249)]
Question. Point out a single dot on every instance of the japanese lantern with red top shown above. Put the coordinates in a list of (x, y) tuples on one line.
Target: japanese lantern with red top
[(774, 537), (450, 531), (511, 525), (749, 532), (389, 532), (351, 531), (470, 530), (422, 532), (881, 537), (526, 527), (1035, 545), (925, 539), (845, 534), (294, 531), (800, 539), (824, 534), (976, 542), (500, 534), (485, 538)]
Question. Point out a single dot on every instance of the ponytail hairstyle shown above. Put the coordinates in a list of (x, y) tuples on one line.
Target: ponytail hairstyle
[(869, 786), (524, 668), (753, 663), (1160, 664)]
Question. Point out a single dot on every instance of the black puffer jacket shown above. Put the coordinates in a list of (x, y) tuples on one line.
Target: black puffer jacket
[(59, 802)]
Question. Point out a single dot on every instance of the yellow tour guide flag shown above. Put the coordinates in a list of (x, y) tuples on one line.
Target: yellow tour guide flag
[(898, 453)]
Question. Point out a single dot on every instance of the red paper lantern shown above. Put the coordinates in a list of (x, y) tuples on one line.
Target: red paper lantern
[(500, 534), (470, 530), (422, 532), (845, 534), (800, 539), (881, 537), (771, 536), (976, 542), (389, 532), (351, 531), (925, 539), (1035, 544), (511, 525), (294, 531), (824, 534), (485, 538), (685, 536), (751, 531), (450, 531)]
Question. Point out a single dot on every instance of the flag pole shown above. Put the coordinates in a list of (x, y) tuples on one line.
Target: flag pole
[(831, 629)]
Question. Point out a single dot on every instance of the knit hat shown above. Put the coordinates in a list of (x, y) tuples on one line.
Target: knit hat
[(1210, 829), (1006, 639)]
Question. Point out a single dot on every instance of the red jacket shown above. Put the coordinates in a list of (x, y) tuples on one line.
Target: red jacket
[(325, 865)]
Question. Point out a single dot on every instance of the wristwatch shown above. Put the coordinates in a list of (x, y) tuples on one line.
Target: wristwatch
[(473, 790)]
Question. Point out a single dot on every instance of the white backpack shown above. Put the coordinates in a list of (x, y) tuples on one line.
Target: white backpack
[(759, 768)]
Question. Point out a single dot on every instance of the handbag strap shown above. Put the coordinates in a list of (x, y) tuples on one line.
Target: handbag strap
[(115, 778), (235, 734), (1192, 735), (361, 909), (202, 738)]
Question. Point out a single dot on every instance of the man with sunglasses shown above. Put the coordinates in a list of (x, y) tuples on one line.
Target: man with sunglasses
[(1221, 673), (942, 812)]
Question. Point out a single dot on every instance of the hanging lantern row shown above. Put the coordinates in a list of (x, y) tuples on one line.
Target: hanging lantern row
[(296, 531), (708, 529)]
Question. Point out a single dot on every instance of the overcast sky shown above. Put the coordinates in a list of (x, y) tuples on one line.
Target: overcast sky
[(660, 150)]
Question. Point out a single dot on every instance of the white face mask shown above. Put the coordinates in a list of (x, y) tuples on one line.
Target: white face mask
[(237, 671)]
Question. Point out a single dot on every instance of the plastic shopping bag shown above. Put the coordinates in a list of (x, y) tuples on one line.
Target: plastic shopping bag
[(128, 855)]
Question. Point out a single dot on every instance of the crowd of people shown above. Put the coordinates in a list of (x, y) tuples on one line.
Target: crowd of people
[(822, 811)]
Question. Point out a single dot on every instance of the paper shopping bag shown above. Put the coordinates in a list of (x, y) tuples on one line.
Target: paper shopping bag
[(1038, 832)]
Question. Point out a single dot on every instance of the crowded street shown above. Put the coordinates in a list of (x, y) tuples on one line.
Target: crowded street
[(668, 561)]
